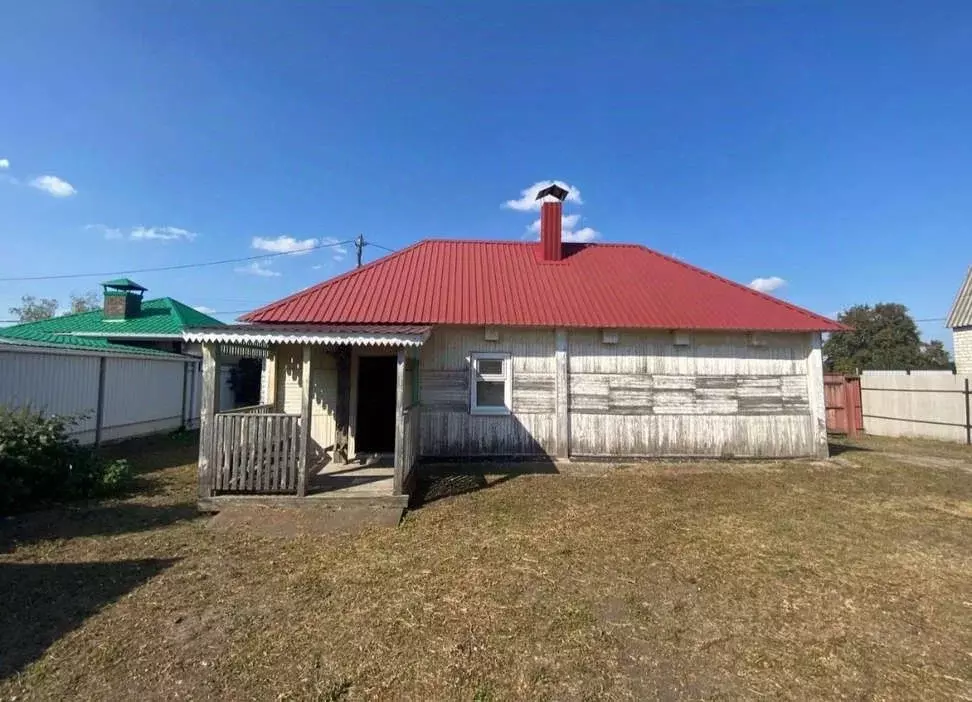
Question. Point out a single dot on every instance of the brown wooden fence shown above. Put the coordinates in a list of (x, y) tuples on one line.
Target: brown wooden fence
[(256, 452), (842, 398)]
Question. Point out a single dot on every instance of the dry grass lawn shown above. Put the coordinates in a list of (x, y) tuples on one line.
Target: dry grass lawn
[(847, 578)]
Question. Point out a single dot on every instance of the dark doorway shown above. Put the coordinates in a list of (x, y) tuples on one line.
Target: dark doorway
[(375, 426)]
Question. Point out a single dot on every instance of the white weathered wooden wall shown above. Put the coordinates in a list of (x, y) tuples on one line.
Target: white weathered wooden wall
[(288, 360), (143, 395), (642, 396), (448, 429), (720, 395), (927, 404)]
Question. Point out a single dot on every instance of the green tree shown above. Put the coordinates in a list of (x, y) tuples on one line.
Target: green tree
[(86, 302), (33, 309), (882, 337)]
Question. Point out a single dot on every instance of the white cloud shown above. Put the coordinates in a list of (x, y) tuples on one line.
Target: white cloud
[(259, 269), (528, 196), (767, 285), (338, 253), (582, 235), (52, 185), (316, 267), (4, 164), (567, 222), (105, 230), (203, 309), (284, 244), (144, 233), (161, 234), (569, 233)]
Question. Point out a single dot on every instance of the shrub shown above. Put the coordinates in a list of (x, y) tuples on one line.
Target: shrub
[(115, 477), (40, 462)]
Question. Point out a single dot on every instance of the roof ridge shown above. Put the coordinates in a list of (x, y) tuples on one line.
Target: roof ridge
[(331, 281), (175, 310), (964, 289)]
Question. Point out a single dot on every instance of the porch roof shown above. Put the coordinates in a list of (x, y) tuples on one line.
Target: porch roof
[(318, 334)]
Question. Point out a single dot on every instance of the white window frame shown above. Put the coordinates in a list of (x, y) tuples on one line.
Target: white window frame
[(506, 377)]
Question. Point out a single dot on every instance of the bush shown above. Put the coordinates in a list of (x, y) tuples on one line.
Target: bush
[(40, 462)]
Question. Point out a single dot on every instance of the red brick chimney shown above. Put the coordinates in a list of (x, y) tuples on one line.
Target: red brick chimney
[(551, 213)]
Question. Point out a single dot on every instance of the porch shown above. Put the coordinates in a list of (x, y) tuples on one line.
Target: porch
[(337, 424)]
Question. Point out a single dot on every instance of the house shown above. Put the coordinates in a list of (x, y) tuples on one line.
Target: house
[(124, 369), (125, 322), (482, 349), (960, 322)]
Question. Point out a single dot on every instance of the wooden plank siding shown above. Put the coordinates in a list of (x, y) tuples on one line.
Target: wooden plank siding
[(448, 428), (719, 396), (288, 372)]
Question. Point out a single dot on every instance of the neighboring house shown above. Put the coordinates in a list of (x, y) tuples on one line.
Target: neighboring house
[(125, 320), (124, 368), (960, 322), (486, 349)]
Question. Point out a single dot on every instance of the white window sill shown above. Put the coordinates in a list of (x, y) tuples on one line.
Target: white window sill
[(493, 411)]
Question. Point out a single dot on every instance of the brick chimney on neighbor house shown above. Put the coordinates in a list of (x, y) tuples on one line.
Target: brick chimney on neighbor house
[(123, 298), (551, 218)]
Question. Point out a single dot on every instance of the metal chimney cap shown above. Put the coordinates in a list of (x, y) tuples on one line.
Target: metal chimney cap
[(554, 190)]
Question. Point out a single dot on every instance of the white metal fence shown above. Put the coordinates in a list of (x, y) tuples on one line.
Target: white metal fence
[(929, 404), (120, 395)]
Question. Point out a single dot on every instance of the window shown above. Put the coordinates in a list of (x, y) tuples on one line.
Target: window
[(491, 383)]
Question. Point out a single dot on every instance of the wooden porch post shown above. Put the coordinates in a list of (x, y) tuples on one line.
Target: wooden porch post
[(400, 424), (342, 406), (271, 371), (306, 398), (210, 405)]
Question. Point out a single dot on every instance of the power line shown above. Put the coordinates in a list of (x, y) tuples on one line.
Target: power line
[(181, 266)]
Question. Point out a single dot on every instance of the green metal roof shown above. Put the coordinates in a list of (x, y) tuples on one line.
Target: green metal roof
[(162, 317), (79, 343), (123, 284)]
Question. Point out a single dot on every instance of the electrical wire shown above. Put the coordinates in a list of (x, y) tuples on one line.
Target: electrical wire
[(181, 266)]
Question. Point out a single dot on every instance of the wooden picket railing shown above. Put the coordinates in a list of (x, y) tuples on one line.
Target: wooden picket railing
[(255, 451), (254, 409)]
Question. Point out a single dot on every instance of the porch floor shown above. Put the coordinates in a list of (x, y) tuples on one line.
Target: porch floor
[(372, 476), (366, 482)]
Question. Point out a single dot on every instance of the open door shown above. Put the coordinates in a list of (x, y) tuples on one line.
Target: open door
[(375, 421)]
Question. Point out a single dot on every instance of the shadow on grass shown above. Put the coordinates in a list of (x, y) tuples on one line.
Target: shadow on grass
[(842, 445), (44, 601), (438, 481), (154, 453), (87, 519)]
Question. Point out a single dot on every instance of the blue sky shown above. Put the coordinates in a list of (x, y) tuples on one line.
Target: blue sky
[(827, 144)]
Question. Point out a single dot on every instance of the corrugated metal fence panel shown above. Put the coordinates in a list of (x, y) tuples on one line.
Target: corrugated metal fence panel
[(56, 384), (930, 405), (142, 396)]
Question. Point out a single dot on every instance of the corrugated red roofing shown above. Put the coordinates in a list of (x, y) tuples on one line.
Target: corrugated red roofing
[(506, 284)]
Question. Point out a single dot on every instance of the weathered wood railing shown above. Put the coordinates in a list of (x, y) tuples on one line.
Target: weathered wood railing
[(410, 449), (255, 452), (253, 409)]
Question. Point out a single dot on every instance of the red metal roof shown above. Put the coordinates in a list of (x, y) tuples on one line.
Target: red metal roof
[(506, 284)]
